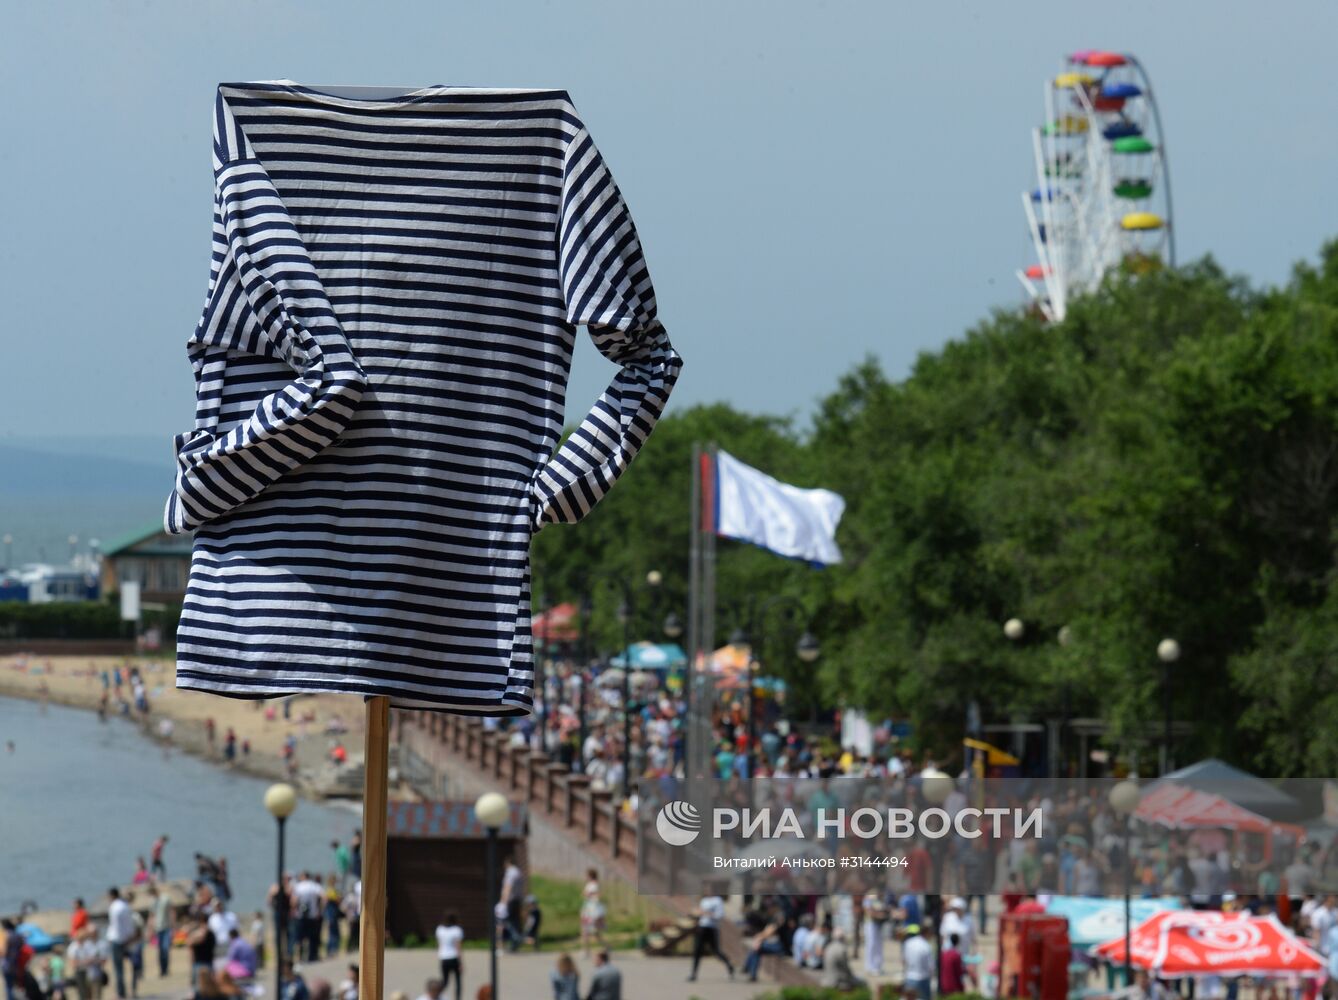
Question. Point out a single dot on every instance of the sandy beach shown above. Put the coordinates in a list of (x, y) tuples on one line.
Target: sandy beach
[(77, 682)]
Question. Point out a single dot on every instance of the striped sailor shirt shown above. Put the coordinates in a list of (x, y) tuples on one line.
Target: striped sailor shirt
[(381, 368)]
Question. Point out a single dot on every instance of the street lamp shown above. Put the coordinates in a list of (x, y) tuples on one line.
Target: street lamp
[(673, 626), (1168, 651), (280, 800), (492, 810), (935, 787), (1124, 797), (625, 616), (1014, 629)]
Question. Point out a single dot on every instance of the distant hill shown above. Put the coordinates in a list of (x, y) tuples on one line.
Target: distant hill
[(26, 472), (92, 488)]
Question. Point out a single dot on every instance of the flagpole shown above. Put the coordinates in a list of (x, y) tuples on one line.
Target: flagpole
[(705, 693), (690, 740)]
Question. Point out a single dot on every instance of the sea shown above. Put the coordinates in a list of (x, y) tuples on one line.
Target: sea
[(81, 799)]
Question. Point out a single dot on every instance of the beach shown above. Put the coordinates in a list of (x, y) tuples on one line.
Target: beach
[(76, 681)]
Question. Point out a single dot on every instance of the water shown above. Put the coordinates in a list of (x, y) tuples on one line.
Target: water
[(80, 800)]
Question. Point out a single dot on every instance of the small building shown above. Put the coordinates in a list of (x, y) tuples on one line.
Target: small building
[(437, 864), (157, 561)]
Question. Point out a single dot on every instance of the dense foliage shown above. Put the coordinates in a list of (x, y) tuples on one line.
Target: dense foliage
[(60, 620), (1162, 463)]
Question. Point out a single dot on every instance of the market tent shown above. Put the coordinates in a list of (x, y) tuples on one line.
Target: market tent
[(1092, 920), (1145, 939), (1260, 946), (1233, 944), (1182, 808), (731, 659), (558, 624), (652, 656), (1240, 787)]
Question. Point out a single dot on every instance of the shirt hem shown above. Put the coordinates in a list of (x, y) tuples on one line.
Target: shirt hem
[(507, 707)]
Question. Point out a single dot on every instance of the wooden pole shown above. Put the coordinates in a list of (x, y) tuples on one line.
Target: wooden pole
[(376, 769)]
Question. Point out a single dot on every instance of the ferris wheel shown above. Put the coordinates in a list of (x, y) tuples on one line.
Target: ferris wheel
[(1103, 193)]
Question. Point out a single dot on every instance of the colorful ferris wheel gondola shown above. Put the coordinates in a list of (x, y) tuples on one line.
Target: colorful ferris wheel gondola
[(1103, 195)]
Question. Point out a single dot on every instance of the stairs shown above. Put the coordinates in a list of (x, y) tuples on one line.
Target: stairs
[(665, 938)]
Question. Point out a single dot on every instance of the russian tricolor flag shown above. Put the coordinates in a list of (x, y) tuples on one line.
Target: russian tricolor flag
[(741, 502)]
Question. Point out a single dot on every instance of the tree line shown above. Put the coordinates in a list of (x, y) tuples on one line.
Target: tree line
[(1163, 463)]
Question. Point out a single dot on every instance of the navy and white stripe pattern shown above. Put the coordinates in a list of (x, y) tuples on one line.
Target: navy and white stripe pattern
[(381, 367)]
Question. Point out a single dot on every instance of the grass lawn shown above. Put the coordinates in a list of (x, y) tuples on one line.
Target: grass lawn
[(560, 901)]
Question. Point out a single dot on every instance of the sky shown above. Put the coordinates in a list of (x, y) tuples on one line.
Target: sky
[(813, 182)]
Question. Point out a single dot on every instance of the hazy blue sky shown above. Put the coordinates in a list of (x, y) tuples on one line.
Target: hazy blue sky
[(813, 182)]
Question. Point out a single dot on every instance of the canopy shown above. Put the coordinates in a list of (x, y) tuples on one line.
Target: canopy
[(1240, 787), (1133, 189), (1219, 944), (1145, 939), (1074, 80), (1118, 130), (652, 656), (1132, 144), (1093, 920), (1121, 91), (1104, 60), (1141, 220), (994, 756), (38, 939), (1180, 808), (557, 623), (731, 659), (1068, 125)]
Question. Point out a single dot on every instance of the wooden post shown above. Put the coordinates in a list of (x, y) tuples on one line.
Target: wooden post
[(376, 768)]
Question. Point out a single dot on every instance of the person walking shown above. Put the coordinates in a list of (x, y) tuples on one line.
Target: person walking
[(592, 912), (157, 867), (952, 971), (449, 937), (706, 935), (343, 860), (513, 895), (160, 908), (308, 901), (875, 921), (13, 957), (333, 914), (917, 963), (120, 936), (607, 981)]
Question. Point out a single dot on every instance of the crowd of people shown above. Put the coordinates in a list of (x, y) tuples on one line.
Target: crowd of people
[(310, 916)]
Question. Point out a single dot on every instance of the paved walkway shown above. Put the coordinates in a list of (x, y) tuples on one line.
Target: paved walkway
[(524, 976)]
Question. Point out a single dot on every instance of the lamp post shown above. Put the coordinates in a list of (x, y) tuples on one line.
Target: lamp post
[(1124, 798), (492, 810), (280, 800), (1015, 630), (935, 787), (807, 649), (625, 615), (1168, 651), (673, 628)]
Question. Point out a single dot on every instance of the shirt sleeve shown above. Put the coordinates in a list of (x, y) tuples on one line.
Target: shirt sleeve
[(264, 299), (606, 287)]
